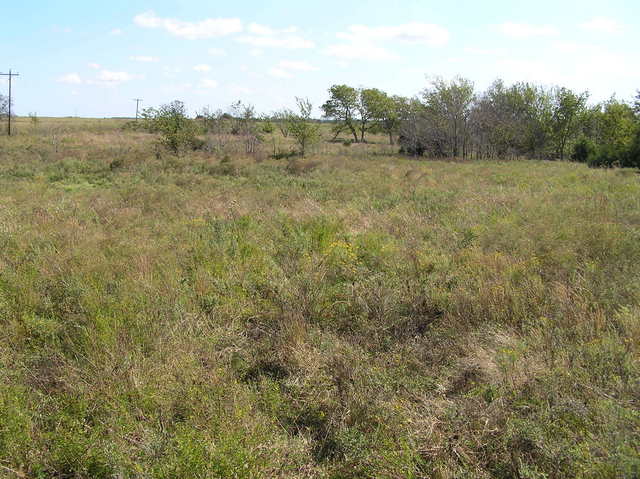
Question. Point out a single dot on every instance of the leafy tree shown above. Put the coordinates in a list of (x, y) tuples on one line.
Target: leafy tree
[(617, 124), (511, 121), (368, 103), (302, 129), (567, 108), (387, 111), (449, 104), (634, 151), (615, 133), (342, 107), (389, 115), (171, 121)]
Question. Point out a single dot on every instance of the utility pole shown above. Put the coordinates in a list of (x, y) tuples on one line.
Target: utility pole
[(10, 75), (137, 100)]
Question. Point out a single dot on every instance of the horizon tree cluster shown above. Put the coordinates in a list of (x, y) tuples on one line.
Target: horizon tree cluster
[(448, 119)]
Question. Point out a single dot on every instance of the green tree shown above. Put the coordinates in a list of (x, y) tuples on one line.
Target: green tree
[(389, 115), (177, 130), (511, 121), (449, 104), (378, 111), (301, 127), (615, 134), (368, 105), (567, 108), (342, 107), (618, 124)]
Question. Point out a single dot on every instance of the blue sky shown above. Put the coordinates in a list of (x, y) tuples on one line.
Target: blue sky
[(86, 58)]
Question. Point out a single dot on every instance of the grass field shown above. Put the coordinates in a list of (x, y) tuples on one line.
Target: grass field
[(353, 314)]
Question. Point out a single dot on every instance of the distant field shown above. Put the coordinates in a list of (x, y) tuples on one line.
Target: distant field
[(352, 314)]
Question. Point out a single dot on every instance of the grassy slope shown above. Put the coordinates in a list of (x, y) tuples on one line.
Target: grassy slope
[(369, 317)]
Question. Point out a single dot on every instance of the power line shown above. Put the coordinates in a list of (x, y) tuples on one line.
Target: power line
[(137, 100), (10, 75)]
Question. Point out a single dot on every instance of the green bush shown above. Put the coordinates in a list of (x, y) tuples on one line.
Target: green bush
[(178, 132), (582, 150), (608, 156)]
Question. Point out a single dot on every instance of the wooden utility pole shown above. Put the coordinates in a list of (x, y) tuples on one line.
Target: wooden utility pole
[(137, 100), (10, 75)]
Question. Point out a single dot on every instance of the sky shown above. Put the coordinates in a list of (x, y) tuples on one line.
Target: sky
[(86, 58)]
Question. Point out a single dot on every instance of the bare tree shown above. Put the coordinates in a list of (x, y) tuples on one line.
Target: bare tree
[(280, 119)]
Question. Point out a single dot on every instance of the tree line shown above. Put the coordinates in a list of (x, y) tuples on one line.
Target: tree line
[(450, 118)]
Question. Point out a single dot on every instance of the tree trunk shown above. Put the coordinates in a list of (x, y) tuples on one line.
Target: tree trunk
[(354, 132)]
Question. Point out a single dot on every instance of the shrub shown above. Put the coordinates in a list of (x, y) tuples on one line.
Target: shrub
[(304, 131), (298, 167), (582, 150), (608, 156), (178, 132)]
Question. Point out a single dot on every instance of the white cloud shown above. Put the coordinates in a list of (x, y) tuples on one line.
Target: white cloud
[(525, 30), (538, 71), (115, 31), (171, 72), (94, 66), (296, 65), (291, 42), (285, 67), (279, 73), (602, 25), (256, 52), (208, 84), (203, 67), (207, 28), (257, 29), (143, 59), (365, 43), (240, 90), (217, 52), (489, 52), (359, 51), (262, 36), (70, 79), (423, 33), (110, 78)]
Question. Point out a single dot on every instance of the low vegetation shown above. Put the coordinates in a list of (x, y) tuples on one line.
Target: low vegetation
[(218, 307)]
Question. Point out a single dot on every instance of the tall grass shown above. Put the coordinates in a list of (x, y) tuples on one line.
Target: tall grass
[(351, 315)]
